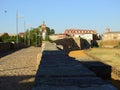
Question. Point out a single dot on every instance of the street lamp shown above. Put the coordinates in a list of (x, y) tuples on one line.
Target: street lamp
[(24, 33), (17, 16), (17, 28)]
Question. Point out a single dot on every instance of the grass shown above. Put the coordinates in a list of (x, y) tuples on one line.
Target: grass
[(109, 56)]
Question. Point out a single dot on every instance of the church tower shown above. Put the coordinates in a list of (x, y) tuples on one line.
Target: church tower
[(43, 30), (43, 27), (107, 30)]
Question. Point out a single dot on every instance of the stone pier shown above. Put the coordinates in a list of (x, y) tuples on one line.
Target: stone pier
[(58, 71)]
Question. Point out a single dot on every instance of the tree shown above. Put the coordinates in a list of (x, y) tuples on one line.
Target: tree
[(52, 31), (32, 36), (48, 30), (5, 37), (1, 39)]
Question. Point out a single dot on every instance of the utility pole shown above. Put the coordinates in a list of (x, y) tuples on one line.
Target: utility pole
[(17, 29), (29, 39), (17, 36), (24, 33)]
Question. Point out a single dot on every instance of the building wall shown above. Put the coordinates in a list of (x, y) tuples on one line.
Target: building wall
[(57, 36), (85, 34), (111, 36)]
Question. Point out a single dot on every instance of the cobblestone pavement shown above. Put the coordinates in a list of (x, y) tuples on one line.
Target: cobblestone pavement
[(18, 70)]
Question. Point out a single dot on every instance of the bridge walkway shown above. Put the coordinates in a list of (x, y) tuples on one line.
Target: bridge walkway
[(58, 71)]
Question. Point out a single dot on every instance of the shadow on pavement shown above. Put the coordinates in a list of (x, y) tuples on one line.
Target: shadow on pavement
[(16, 82), (57, 69)]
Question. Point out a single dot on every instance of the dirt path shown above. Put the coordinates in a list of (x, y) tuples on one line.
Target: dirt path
[(18, 70)]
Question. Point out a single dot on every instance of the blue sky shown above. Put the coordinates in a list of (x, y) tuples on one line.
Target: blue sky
[(60, 14)]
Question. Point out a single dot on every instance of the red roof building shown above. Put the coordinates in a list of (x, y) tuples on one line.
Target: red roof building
[(79, 31), (86, 34), (21, 34)]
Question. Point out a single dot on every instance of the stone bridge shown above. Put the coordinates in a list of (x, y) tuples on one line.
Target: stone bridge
[(58, 71)]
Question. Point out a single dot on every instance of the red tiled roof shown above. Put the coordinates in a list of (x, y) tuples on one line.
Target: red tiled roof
[(79, 31), (21, 33)]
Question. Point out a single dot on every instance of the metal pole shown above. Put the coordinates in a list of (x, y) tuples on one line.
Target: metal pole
[(17, 28), (29, 37), (36, 39), (24, 33)]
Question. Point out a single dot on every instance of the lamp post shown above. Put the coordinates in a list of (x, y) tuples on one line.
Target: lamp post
[(29, 38), (17, 38), (17, 28), (24, 33)]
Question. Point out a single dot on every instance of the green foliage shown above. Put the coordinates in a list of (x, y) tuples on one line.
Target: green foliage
[(52, 31), (13, 38), (32, 37), (49, 31), (1, 39), (6, 38)]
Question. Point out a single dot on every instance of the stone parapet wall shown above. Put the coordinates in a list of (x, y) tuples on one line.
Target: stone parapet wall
[(109, 43), (67, 44), (116, 72), (58, 71), (5, 47)]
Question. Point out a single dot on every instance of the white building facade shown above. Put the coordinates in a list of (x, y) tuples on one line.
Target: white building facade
[(85, 34)]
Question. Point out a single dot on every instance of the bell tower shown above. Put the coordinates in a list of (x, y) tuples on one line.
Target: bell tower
[(107, 30), (43, 30), (43, 27)]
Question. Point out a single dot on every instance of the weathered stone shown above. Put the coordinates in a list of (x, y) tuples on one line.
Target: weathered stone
[(57, 71), (101, 87)]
